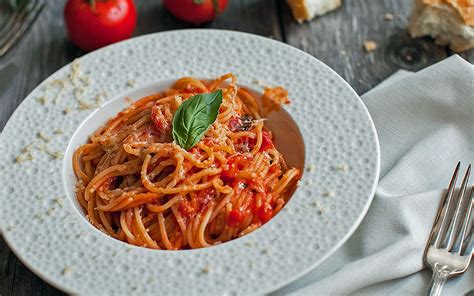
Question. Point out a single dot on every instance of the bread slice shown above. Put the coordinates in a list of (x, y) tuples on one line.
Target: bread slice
[(449, 22), (305, 10)]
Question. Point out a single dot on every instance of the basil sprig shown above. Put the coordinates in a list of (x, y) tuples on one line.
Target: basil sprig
[(194, 117)]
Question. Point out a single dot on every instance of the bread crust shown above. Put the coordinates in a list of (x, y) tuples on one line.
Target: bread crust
[(447, 21), (305, 10), (465, 8)]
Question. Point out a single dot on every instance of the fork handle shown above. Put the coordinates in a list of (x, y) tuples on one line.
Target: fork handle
[(437, 282)]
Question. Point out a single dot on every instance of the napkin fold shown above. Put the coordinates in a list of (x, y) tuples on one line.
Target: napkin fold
[(425, 123)]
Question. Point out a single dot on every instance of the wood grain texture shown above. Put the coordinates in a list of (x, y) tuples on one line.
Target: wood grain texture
[(336, 39)]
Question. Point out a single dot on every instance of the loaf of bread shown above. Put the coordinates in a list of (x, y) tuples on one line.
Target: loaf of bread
[(449, 22), (305, 10)]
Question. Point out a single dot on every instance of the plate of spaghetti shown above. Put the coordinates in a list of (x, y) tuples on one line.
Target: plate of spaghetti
[(186, 162)]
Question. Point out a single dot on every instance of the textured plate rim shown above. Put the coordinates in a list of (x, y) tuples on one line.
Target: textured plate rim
[(56, 283)]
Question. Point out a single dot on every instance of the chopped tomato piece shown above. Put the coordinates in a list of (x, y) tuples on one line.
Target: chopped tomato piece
[(274, 168), (265, 213), (235, 217), (267, 142), (234, 123), (204, 197), (235, 163), (161, 123)]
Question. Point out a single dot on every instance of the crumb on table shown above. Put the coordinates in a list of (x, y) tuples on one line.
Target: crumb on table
[(370, 45), (388, 17)]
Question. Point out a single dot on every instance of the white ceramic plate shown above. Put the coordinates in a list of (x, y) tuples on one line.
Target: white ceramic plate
[(40, 218)]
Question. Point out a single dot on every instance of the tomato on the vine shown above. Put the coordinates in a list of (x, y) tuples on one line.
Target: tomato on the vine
[(92, 24), (196, 11)]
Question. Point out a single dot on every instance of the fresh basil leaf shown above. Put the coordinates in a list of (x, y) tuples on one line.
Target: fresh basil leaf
[(194, 117)]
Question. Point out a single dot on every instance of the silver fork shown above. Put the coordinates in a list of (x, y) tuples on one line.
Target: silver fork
[(449, 248), (18, 24)]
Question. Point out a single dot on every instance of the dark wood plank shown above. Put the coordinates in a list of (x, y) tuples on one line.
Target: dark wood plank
[(337, 40), (16, 279)]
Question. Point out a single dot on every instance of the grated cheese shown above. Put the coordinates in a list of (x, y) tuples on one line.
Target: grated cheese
[(50, 211), (319, 206), (40, 147), (58, 201), (98, 99), (75, 71), (131, 83), (87, 80), (83, 105), (43, 100), (67, 110), (24, 157), (62, 86), (328, 193), (258, 82), (44, 137), (58, 131), (342, 167), (27, 148), (311, 167), (67, 270), (78, 92), (56, 154)]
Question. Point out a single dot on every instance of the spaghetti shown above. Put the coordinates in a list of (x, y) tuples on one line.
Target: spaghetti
[(136, 185)]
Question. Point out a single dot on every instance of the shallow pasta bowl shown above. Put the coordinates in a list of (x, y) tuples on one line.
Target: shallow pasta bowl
[(44, 226)]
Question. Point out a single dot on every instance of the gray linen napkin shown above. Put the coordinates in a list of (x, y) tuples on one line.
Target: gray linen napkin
[(425, 122)]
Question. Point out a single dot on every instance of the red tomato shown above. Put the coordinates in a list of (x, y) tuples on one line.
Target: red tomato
[(195, 11), (92, 24)]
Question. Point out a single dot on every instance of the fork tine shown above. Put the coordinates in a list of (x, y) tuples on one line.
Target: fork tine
[(461, 241), (11, 21), (440, 224), (454, 227), (15, 21), (28, 19)]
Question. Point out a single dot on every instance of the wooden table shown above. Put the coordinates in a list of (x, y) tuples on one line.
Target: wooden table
[(336, 39)]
